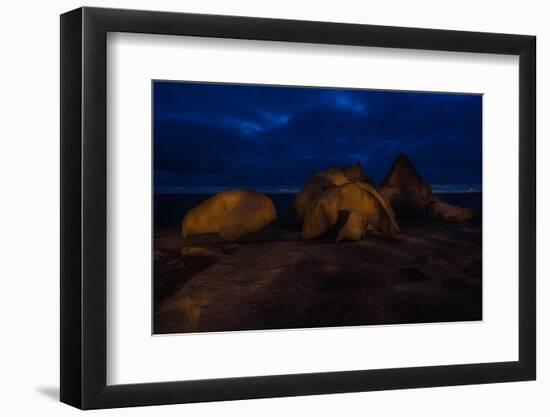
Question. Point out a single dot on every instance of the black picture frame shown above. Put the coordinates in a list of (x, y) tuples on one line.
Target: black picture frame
[(84, 207)]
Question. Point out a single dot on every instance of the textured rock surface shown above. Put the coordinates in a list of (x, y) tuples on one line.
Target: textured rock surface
[(324, 180), (231, 214), (357, 205), (272, 279), (346, 199), (405, 189), (449, 213), (411, 196)]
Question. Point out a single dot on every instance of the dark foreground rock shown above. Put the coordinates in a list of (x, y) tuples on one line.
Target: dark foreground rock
[(273, 279), (411, 197)]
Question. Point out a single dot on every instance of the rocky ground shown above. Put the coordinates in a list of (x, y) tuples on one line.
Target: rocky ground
[(273, 279)]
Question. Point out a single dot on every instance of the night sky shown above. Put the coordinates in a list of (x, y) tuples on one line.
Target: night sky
[(208, 137)]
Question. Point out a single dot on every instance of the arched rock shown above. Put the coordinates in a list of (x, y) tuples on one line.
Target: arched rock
[(360, 203)]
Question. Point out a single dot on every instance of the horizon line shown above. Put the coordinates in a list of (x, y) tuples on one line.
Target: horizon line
[(436, 189)]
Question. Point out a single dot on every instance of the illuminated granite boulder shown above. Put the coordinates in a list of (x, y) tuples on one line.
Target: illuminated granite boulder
[(324, 180), (356, 173), (453, 214), (405, 189), (231, 214), (353, 207)]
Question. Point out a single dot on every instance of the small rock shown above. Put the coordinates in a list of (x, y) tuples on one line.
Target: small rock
[(198, 251)]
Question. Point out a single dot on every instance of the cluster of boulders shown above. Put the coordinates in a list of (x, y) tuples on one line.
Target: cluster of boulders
[(343, 197), (343, 201)]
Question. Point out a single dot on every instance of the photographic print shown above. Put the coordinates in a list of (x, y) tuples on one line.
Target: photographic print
[(285, 207)]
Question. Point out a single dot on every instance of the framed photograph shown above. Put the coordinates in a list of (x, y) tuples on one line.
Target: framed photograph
[(259, 208)]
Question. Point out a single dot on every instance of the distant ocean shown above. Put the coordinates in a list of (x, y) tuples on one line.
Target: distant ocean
[(169, 209)]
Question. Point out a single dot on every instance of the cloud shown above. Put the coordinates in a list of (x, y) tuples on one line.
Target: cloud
[(239, 135)]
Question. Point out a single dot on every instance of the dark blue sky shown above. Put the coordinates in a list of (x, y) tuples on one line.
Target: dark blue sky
[(268, 137)]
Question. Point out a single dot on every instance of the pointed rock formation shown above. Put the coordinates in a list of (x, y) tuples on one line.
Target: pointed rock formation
[(405, 189), (324, 180), (361, 205), (411, 197), (232, 214)]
